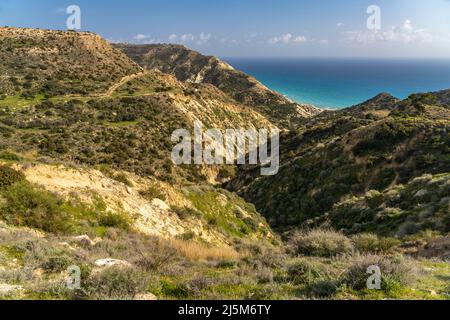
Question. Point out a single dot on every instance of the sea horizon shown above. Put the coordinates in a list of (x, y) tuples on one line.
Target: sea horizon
[(341, 82)]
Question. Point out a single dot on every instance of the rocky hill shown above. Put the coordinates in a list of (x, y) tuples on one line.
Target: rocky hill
[(44, 62), (377, 145), (191, 66)]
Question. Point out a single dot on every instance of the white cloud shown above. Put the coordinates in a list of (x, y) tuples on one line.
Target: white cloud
[(406, 33), (143, 38), (286, 39), (299, 39), (340, 24), (173, 38), (189, 38), (203, 38), (140, 37)]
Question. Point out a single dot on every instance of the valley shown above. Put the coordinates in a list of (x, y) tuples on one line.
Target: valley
[(87, 180)]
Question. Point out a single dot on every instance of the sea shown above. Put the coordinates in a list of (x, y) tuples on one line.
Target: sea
[(339, 83)]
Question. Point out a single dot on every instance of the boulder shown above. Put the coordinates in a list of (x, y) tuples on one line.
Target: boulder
[(8, 290), (108, 262), (85, 241)]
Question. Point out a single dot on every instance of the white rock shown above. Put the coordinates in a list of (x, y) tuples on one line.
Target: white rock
[(421, 193), (111, 262), (83, 240), (7, 289), (146, 297), (160, 204), (432, 292)]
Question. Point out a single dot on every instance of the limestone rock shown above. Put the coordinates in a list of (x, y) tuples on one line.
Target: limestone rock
[(7, 289), (146, 297), (84, 241), (108, 262)]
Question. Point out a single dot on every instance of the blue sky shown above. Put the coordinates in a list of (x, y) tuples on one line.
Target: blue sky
[(266, 28)]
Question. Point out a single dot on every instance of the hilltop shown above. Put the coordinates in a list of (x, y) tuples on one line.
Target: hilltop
[(191, 66), (45, 62)]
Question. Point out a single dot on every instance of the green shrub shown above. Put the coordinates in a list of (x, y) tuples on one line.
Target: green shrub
[(176, 290), (123, 178), (396, 271), (184, 212), (114, 220), (307, 271), (371, 243), (374, 199), (153, 193), (30, 206), (9, 176), (189, 235), (321, 243), (323, 288), (57, 263), (9, 156), (122, 283)]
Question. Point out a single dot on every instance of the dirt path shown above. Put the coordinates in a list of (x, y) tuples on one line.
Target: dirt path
[(122, 81), (110, 90)]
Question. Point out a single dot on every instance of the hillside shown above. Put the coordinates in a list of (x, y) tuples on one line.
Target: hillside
[(191, 66), (380, 144), (443, 97), (122, 117), (43, 62), (423, 203)]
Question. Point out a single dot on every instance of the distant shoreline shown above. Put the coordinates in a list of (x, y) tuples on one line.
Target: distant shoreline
[(337, 83)]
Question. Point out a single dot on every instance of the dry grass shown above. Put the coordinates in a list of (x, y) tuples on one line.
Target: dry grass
[(199, 252)]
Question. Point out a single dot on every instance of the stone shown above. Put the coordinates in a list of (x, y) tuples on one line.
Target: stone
[(432, 292), (7, 289), (84, 241), (146, 297), (421, 193), (108, 262), (161, 205)]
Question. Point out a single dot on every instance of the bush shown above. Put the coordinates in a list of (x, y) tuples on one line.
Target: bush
[(122, 283), (185, 212), (123, 178), (9, 176), (320, 243), (9, 156), (114, 220), (396, 271), (307, 271), (28, 205), (153, 193), (325, 288), (57, 263), (371, 243), (374, 199)]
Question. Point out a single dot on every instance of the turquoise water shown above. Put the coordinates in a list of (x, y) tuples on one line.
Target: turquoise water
[(339, 83)]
